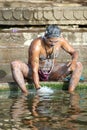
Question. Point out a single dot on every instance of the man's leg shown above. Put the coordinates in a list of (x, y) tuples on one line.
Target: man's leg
[(20, 71), (75, 77), (60, 71)]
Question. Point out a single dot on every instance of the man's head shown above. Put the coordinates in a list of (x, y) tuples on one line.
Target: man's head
[(51, 35), (52, 31)]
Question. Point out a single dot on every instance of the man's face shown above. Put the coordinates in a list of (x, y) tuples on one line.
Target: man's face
[(51, 41)]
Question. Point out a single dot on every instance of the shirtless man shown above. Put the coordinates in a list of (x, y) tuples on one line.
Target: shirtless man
[(42, 62)]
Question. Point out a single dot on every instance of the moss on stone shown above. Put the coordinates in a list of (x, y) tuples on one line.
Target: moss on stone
[(55, 85)]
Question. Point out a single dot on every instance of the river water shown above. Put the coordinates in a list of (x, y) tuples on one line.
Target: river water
[(56, 111)]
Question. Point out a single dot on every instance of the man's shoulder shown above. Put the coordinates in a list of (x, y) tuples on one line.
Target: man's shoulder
[(36, 44), (62, 39), (37, 41)]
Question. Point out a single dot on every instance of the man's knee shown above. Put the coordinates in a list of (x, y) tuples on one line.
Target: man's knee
[(15, 64), (79, 65)]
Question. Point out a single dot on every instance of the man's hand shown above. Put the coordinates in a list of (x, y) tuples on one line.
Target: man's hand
[(71, 65)]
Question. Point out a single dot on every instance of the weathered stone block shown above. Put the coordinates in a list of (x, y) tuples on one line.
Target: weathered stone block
[(48, 13), (43, 15), (68, 14), (7, 14), (11, 38), (78, 14), (85, 14), (28, 14), (17, 14), (58, 13), (38, 14)]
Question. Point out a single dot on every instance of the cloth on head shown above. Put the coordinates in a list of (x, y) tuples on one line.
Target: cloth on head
[(52, 31)]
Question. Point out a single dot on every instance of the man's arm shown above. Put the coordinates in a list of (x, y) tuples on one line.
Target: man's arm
[(34, 62), (69, 49)]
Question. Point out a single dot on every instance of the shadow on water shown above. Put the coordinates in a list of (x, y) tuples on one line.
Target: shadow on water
[(13, 88), (65, 86)]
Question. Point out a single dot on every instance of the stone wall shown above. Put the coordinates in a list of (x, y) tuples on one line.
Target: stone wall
[(21, 22)]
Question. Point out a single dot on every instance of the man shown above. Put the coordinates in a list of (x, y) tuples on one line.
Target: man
[(42, 62)]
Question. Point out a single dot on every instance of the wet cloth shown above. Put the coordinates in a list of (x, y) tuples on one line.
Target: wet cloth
[(67, 79), (43, 76), (46, 69)]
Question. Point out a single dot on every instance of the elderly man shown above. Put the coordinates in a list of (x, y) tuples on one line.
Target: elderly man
[(42, 61)]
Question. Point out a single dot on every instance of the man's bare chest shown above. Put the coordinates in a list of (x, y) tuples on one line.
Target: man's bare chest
[(51, 53)]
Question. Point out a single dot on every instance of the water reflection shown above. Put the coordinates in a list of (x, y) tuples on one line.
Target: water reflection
[(47, 112)]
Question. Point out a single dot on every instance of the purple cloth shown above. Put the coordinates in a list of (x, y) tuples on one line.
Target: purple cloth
[(43, 76)]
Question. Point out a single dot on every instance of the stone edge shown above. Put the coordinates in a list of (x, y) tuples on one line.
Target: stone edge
[(13, 86)]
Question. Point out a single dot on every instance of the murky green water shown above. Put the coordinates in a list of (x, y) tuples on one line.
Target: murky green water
[(58, 111)]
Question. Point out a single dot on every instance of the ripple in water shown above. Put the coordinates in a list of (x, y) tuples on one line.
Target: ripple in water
[(45, 91), (53, 110)]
